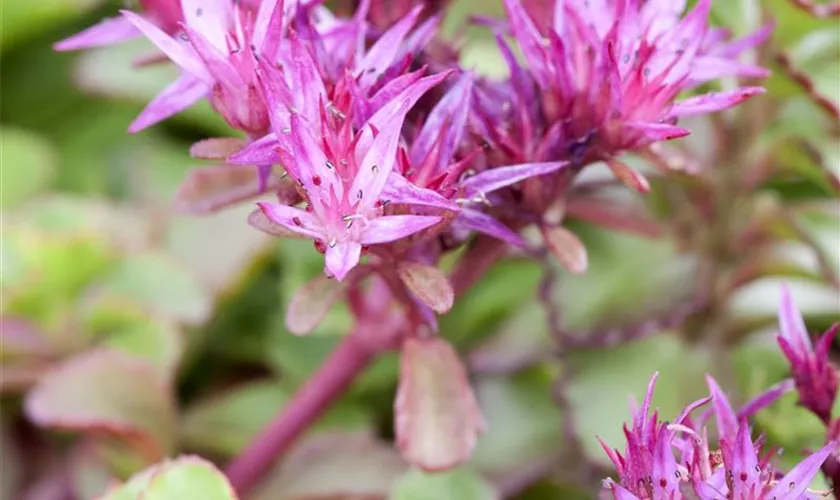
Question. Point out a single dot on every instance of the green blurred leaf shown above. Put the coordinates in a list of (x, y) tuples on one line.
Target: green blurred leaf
[(523, 421), (28, 165), (109, 392), (157, 341), (605, 379), (22, 21), (180, 479), (333, 466), (459, 484), (161, 284), (223, 424)]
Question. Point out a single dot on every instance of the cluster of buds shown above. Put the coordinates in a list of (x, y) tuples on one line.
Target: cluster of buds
[(677, 460), (392, 156)]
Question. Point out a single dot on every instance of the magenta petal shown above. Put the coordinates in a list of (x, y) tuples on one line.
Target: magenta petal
[(713, 102), (178, 53), (105, 33), (383, 52), (294, 219), (666, 483), (707, 68), (792, 325), (485, 224), (530, 40), (453, 111), (619, 492), (801, 475), (393, 88), (341, 258), (307, 83), (398, 189), (211, 18), (766, 398), (382, 118), (268, 27), (378, 162), (179, 95), (278, 95), (216, 63), (497, 178), (393, 227), (260, 152), (727, 421), (658, 131)]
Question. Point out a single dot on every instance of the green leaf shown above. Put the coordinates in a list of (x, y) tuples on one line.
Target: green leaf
[(26, 20), (28, 165), (459, 484), (161, 284), (156, 341), (223, 424), (107, 392), (523, 421), (180, 479), (334, 465), (605, 379)]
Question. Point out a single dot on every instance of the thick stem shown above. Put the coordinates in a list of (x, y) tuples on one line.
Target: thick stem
[(326, 386)]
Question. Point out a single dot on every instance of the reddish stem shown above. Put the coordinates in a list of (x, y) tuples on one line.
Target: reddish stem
[(327, 385)]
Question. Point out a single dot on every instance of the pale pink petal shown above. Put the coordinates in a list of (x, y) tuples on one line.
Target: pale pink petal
[(383, 52), (178, 53), (707, 68), (497, 178), (105, 33), (260, 152), (398, 189), (791, 323), (714, 101), (216, 63), (268, 28), (393, 227), (795, 482), (294, 219), (658, 131), (179, 95), (211, 18), (341, 258)]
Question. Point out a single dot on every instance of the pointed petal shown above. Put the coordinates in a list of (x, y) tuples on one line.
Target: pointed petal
[(412, 94), (398, 189), (268, 28), (795, 482), (105, 33), (393, 88), (288, 217), (665, 475), (278, 95), (379, 161), (393, 227), (177, 52), (653, 132), (341, 258), (383, 52), (211, 18), (529, 38), (766, 398), (708, 68), (713, 102), (619, 492), (640, 418), (179, 95), (727, 422), (791, 323), (485, 224), (260, 152), (497, 178), (215, 62), (307, 83), (453, 110)]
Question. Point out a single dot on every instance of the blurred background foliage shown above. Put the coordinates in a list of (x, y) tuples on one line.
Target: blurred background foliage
[(135, 332)]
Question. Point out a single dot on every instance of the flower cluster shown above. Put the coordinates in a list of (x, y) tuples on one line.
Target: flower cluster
[(388, 157), (677, 460)]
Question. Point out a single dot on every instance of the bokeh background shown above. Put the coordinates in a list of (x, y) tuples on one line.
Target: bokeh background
[(145, 332)]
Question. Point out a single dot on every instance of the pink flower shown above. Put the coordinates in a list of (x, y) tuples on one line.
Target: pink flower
[(217, 53), (165, 14), (342, 174), (816, 379), (610, 71)]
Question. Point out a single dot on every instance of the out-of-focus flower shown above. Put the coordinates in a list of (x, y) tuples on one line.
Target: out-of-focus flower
[(165, 14), (816, 378), (217, 54), (609, 73)]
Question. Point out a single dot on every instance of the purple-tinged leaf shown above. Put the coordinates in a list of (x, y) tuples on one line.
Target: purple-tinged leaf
[(184, 477), (258, 220), (208, 189), (216, 148), (437, 416), (311, 303), (107, 392), (428, 284), (566, 247), (628, 176)]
